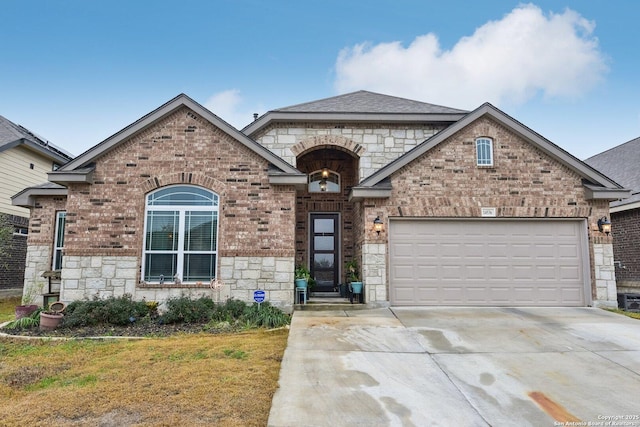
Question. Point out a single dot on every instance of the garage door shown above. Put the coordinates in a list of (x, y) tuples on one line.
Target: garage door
[(488, 262)]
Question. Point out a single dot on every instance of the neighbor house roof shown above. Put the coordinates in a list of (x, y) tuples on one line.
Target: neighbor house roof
[(597, 185), (13, 135), (361, 106), (621, 163), (80, 168)]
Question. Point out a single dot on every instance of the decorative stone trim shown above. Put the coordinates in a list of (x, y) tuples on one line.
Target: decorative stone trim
[(374, 273), (605, 276), (335, 141), (84, 277)]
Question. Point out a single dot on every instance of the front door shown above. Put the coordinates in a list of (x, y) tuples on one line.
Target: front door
[(323, 248)]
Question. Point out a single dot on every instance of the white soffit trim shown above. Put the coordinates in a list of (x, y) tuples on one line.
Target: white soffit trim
[(601, 193), (26, 198), (622, 208)]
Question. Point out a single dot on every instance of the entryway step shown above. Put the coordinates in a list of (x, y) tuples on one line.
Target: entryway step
[(316, 303)]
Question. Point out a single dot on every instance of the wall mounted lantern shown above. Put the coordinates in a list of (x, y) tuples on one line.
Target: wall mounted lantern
[(377, 225), (604, 225)]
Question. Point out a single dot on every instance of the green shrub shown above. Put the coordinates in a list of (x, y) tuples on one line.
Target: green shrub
[(265, 316), (26, 322), (112, 311), (185, 310), (229, 311)]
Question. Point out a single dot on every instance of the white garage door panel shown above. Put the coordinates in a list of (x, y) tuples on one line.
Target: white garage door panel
[(489, 262)]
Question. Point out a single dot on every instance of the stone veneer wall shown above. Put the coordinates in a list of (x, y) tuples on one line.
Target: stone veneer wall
[(374, 273), (605, 276), (242, 275), (38, 261), (377, 145), (106, 276), (85, 277)]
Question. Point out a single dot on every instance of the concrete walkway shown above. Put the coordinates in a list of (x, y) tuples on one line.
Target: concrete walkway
[(459, 366)]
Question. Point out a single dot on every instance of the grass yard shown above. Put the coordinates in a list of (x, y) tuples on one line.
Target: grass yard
[(7, 308), (633, 315), (222, 380)]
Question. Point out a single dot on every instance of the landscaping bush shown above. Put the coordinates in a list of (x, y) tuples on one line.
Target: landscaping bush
[(186, 310), (229, 311), (111, 311), (265, 316)]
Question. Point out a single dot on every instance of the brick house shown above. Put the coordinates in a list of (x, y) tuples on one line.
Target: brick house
[(476, 208), (25, 159), (622, 163)]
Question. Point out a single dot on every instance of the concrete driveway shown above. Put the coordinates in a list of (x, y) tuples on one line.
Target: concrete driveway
[(460, 366)]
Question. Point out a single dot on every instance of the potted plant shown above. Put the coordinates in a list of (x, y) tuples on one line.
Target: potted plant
[(52, 317), (302, 276), (353, 276), (27, 307)]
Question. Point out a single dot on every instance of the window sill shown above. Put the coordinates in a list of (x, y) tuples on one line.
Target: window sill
[(174, 285)]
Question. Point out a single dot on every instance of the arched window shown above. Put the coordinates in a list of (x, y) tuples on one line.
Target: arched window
[(180, 239), (324, 181), (484, 152)]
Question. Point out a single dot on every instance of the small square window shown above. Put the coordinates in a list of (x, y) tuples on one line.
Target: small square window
[(484, 152)]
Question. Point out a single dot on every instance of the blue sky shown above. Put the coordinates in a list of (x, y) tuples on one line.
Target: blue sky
[(77, 71)]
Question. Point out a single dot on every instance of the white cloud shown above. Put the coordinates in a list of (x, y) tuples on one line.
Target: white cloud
[(507, 61), (228, 105)]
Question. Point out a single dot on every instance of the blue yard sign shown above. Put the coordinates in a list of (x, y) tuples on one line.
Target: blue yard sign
[(258, 296)]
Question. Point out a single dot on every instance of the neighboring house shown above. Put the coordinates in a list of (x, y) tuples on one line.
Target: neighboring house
[(477, 209), (622, 164), (25, 159)]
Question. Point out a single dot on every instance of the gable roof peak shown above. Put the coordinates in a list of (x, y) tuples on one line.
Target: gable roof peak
[(487, 109), (179, 101)]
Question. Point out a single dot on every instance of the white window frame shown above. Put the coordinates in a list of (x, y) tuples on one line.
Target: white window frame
[(180, 252), (484, 151), (58, 239)]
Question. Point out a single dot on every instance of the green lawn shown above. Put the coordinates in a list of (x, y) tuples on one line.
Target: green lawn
[(222, 380)]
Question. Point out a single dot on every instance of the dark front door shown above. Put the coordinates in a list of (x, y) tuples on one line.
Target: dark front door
[(324, 251)]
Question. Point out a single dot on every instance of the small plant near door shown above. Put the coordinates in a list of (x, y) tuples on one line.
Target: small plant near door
[(353, 271), (353, 276), (302, 276)]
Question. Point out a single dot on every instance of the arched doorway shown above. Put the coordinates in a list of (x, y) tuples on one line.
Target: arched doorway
[(324, 215)]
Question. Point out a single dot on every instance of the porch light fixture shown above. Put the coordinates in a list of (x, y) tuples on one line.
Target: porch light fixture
[(604, 225), (377, 225), (325, 173), (323, 184)]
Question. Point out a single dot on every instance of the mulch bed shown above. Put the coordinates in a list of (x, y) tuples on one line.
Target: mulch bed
[(144, 329)]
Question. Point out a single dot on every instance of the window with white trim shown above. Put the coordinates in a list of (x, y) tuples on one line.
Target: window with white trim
[(324, 181), (484, 152), (58, 244), (181, 235)]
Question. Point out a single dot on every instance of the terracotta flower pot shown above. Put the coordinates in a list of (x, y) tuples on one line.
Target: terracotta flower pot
[(48, 322), (25, 310)]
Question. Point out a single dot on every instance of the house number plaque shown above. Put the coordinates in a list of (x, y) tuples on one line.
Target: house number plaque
[(489, 212)]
